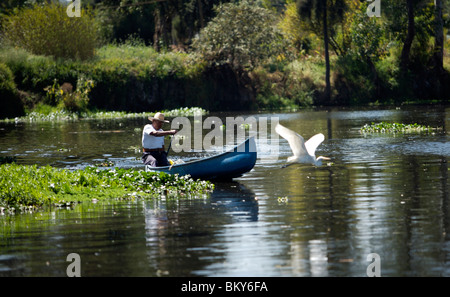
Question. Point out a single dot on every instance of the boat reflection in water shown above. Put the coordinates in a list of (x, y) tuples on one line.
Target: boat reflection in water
[(187, 237)]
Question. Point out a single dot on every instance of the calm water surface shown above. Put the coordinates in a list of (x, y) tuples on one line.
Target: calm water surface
[(384, 194)]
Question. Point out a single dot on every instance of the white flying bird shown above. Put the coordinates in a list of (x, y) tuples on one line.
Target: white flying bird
[(304, 152)]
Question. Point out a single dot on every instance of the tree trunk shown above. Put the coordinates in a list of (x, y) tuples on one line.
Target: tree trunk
[(163, 23), (404, 58), (438, 55), (158, 30), (327, 55), (200, 14)]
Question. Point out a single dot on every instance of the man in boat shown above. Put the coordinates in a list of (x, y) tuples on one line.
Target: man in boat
[(154, 153)]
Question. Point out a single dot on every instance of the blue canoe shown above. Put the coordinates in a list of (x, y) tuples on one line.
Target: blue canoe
[(227, 165)]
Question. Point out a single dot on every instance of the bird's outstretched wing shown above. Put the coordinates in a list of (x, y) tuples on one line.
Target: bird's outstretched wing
[(296, 141), (312, 143)]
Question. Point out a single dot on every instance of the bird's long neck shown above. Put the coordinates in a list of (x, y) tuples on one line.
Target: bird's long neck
[(318, 161)]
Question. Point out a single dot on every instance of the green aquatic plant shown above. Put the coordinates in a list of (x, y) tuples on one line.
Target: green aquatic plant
[(29, 187), (54, 114), (178, 112), (385, 127), (185, 111)]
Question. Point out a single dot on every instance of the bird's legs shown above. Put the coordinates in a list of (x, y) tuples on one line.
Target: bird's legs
[(287, 164)]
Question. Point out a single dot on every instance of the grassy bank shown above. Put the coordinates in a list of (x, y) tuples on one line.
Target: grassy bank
[(135, 78), (25, 188), (125, 78)]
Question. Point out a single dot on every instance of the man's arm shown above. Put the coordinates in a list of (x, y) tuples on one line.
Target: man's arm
[(163, 133)]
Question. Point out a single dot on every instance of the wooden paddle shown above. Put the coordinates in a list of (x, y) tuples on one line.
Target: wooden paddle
[(170, 144)]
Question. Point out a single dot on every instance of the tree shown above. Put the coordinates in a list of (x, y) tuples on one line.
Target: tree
[(367, 41), (241, 35), (323, 12), (412, 24), (293, 28), (161, 23), (47, 30)]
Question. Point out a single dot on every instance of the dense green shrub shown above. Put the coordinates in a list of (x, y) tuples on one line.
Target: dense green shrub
[(295, 85), (10, 104), (46, 29), (353, 82), (33, 73), (145, 61), (242, 35)]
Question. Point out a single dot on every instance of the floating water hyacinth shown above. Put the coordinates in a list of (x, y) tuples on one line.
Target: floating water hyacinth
[(185, 112), (63, 115), (385, 127), (60, 115), (32, 186)]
